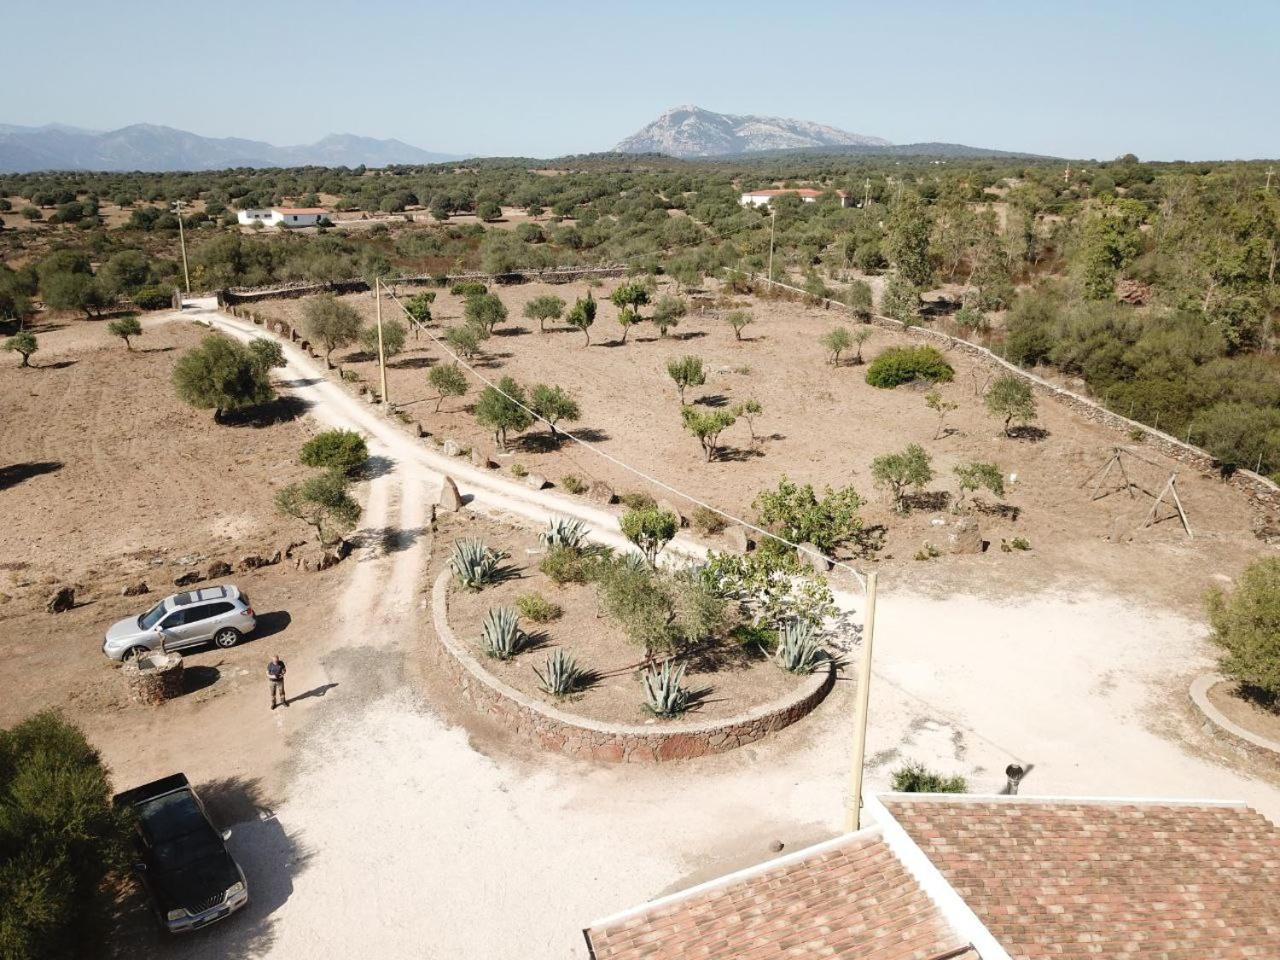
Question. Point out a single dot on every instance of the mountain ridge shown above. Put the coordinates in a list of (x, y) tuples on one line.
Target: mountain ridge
[(691, 131)]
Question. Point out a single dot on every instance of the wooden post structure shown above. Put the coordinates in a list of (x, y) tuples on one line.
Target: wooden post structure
[(854, 819), (382, 359)]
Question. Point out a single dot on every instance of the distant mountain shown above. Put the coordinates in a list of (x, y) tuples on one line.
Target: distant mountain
[(932, 150), (145, 146), (690, 131)]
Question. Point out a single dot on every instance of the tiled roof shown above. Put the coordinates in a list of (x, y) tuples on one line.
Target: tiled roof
[(1075, 879), (798, 191), (300, 210), (849, 898)]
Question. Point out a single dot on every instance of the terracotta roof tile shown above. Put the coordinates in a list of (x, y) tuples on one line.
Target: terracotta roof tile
[(853, 900), (1071, 880)]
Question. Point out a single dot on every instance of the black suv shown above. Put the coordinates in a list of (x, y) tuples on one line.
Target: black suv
[(192, 879)]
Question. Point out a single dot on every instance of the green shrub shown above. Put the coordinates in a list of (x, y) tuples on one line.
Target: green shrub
[(153, 298), (501, 635), (536, 608), (707, 521), (1246, 625), (564, 565), (561, 676), (637, 501), (341, 450), (468, 288), (898, 365), (798, 649), (474, 563), (650, 530), (574, 484), (917, 778), (519, 470)]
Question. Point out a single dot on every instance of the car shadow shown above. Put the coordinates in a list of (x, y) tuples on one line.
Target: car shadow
[(16, 473), (269, 624)]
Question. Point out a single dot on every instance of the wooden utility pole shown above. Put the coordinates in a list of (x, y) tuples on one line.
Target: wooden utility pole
[(773, 219), (1270, 171), (854, 819), (382, 358), (866, 193), (182, 240)]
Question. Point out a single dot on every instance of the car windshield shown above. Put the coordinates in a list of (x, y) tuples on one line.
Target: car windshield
[(152, 616)]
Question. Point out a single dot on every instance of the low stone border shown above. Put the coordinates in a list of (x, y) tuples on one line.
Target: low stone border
[(1200, 697), (562, 732)]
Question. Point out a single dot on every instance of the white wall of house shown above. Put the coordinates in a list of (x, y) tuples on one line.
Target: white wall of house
[(266, 217), (760, 199), (273, 217), (299, 219)]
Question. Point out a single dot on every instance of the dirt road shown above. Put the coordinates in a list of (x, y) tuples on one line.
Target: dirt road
[(402, 836)]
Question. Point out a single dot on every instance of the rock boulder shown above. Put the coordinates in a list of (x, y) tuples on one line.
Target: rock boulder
[(450, 499)]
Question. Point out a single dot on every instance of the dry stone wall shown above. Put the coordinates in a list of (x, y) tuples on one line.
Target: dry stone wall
[(561, 732)]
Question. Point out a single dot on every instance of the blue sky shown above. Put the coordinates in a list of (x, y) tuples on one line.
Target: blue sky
[(1165, 80)]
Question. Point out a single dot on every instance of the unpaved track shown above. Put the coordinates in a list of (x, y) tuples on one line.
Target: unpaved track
[(398, 838)]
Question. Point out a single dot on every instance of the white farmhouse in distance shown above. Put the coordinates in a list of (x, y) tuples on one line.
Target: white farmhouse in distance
[(759, 198), (289, 216)]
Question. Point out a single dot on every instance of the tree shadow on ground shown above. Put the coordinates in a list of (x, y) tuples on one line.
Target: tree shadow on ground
[(727, 454), (927, 500), (396, 539), (375, 467), (154, 350), (1029, 433), (1006, 511), (869, 541), (412, 363), (490, 360), (55, 365), (283, 409), (17, 473), (512, 332), (688, 335), (716, 400)]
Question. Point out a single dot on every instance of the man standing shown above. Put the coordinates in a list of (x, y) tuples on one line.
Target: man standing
[(275, 677)]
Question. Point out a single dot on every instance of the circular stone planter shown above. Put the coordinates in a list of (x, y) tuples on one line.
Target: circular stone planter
[(154, 677), (1200, 688), (554, 729)]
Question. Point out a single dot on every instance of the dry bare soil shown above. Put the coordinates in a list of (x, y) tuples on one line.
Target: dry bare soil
[(824, 424)]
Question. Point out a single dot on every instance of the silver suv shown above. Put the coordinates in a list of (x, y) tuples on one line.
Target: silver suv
[(221, 615)]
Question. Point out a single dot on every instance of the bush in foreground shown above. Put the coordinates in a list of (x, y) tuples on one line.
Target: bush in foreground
[(917, 778), (222, 375), (1246, 625), (898, 365), (341, 450)]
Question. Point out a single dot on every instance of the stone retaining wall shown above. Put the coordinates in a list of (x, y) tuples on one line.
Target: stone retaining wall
[(1253, 485), (561, 732)]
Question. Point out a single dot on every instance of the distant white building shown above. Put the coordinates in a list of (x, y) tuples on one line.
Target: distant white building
[(289, 216), (759, 198)]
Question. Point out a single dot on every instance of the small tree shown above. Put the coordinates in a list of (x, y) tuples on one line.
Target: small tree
[(796, 513), (859, 336), (941, 406), (738, 320), (222, 375), (488, 210), (901, 300), (859, 299), (974, 476), (898, 471), (266, 354), (465, 339), (324, 502), (650, 529), (342, 450), (707, 427), (748, 410), (448, 380), (917, 778), (836, 341), (23, 343), (394, 334), (687, 372), (485, 310), (1010, 399), (503, 410), (583, 315), (667, 313), (553, 404), (331, 323), (419, 307), (544, 308), (124, 328), (1246, 625), (630, 296)]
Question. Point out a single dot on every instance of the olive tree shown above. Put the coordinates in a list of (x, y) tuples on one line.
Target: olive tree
[(342, 450), (503, 409), (942, 407), (836, 341), (738, 321), (544, 308), (418, 307), (650, 529), (331, 323), (324, 502), (707, 427), (859, 337), (1246, 625), (667, 313), (583, 315), (124, 328), (23, 343), (394, 335), (466, 338), (1010, 399), (485, 311), (975, 476), (553, 404), (911, 467), (686, 372), (222, 375), (448, 380)]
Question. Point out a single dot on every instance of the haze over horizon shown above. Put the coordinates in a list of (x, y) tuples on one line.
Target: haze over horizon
[(1166, 81)]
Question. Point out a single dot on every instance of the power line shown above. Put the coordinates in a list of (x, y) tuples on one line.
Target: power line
[(592, 448)]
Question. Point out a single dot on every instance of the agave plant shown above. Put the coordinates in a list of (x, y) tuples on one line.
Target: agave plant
[(474, 563), (564, 532), (562, 676), (798, 650), (502, 637), (664, 693)]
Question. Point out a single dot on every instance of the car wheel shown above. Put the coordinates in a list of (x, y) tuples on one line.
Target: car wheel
[(227, 637), (133, 653)]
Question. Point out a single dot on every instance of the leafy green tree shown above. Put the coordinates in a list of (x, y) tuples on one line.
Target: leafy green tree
[(627, 318), (221, 375), (331, 323), (936, 402), (324, 502), (906, 242), (860, 300), (341, 450), (1011, 399), (859, 336), (917, 778), (503, 410), (686, 372), (488, 211), (896, 472), (667, 313), (901, 301), (738, 321), (583, 315), (418, 307), (1240, 435), (23, 343), (448, 380), (266, 354), (125, 272), (75, 291), (544, 308), (707, 427), (836, 341), (630, 295), (485, 311), (124, 328), (748, 410), (465, 338), (1246, 625), (153, 297), (394, 335), (898, 365), (60, 838), (553, 404), (797, 514), (974, 476), (650, 529)]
